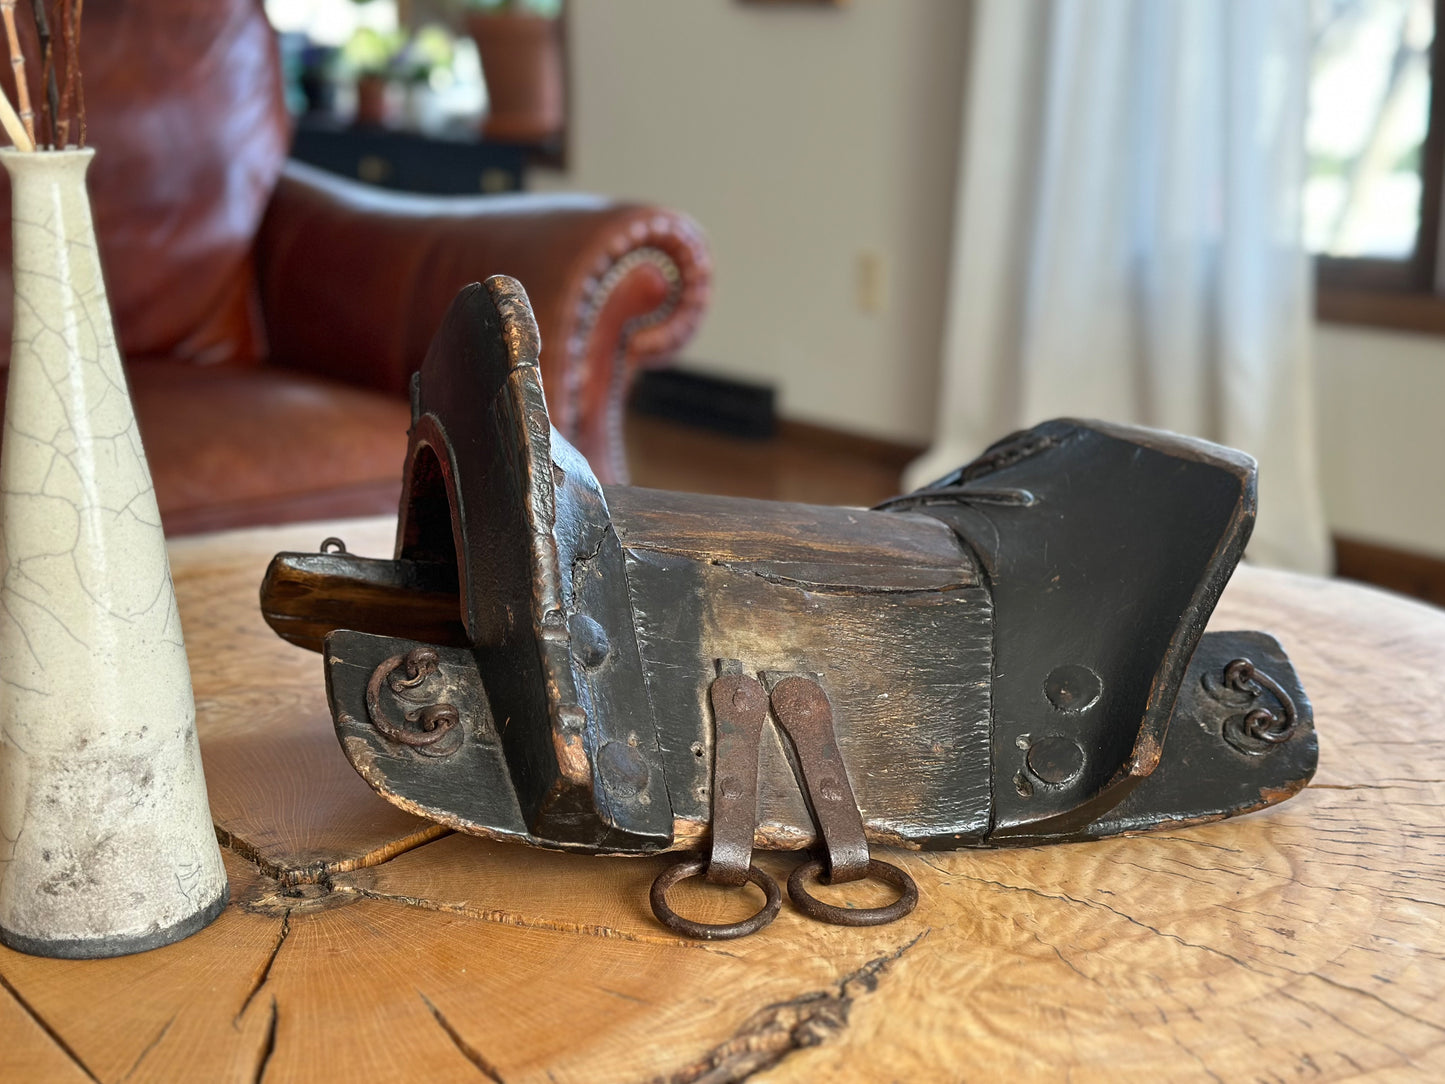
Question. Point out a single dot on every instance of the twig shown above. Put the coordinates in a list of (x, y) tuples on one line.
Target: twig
[(51, 111), (70, 27), (10, 120), (79, 79), (62, 134), (73, 101), (17, 65)]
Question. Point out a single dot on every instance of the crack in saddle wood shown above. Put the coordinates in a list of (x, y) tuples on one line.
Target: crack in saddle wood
[(771, 1034)]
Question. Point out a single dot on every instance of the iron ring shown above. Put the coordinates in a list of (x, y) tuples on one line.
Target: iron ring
[(712, 931), (855, 916), (436, 720)]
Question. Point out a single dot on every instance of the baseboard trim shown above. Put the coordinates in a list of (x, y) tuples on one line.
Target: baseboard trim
[(736, 408), (1418, 575), (743, 409)]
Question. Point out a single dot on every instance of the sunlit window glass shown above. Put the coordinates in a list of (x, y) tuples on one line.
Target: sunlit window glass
[(1369, 110)]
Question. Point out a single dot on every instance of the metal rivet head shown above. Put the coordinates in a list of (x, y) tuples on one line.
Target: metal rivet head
[(589, 641), (1072, 688), (624, 771), (1056, 760)]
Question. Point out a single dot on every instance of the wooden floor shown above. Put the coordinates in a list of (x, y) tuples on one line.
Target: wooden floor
[(800, 464)]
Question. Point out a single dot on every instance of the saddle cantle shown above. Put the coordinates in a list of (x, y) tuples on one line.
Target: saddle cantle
[(1012, 655)]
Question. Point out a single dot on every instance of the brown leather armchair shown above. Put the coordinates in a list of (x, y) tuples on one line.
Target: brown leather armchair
[(271, 315)]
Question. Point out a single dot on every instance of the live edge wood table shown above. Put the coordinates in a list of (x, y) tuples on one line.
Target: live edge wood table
[(1302, 943)]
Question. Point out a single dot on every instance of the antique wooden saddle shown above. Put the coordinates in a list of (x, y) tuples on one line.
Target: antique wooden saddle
[(1013, 655)]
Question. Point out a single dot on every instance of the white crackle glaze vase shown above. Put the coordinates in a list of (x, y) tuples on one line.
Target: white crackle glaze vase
[(106, 843)]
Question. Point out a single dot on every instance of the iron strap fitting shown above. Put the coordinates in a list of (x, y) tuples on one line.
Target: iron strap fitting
[(740, 708), (800, 706)]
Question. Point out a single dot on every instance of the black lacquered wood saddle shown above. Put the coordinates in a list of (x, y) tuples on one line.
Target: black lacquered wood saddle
[(1014, 655)]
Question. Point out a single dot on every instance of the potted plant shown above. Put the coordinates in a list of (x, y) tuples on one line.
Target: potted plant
[(369, 54), (520, 43), (316, 78), (424, 65)]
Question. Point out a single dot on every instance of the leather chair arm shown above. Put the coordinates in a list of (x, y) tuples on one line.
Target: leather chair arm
[(354, 281)]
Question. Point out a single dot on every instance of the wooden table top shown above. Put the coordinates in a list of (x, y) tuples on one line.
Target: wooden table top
[(1302, 943)]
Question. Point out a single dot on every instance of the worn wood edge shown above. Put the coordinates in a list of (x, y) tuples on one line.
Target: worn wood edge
[(211, 551), (318, 872)]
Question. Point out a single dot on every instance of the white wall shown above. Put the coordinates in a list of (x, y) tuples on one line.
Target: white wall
[(1382, 435), (799, 136)]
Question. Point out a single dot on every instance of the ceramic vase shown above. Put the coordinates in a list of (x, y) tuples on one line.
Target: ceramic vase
[(106, 842)]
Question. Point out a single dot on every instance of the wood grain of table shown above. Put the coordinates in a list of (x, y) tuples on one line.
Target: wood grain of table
[(1301, 943)]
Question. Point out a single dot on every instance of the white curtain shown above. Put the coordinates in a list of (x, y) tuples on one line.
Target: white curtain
[(1127, 238)]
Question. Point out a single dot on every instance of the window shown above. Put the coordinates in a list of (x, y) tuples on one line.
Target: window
[(1373, 191)]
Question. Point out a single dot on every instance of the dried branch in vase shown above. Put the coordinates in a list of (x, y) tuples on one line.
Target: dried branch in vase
[(17, 65), (72, 106), (51, 109), (62, 107), (10, 121)]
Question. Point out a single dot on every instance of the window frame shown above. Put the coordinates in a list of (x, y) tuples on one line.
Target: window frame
[(1409, 294)]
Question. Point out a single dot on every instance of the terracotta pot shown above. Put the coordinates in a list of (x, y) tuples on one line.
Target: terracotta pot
[(522, 66), (372, 92)]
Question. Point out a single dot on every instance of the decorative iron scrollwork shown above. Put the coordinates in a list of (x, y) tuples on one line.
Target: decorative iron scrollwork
[(1258, 729), (432, 728)]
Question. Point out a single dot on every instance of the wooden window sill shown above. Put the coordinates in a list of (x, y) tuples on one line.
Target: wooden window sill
[(1396, 310)]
